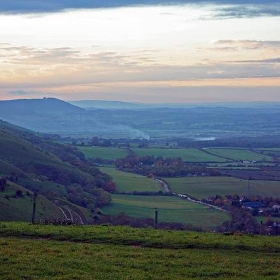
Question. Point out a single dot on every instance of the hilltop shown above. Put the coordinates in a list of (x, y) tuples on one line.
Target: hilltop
[(47, 105), (43, 115)]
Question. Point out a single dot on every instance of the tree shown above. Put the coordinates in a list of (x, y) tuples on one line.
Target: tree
[(19, 193), (102, 197), (109, 187)]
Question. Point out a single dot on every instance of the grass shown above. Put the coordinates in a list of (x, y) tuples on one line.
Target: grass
[(202, 187), (9, 168), (49, 252), (170, 209), (23, 158), (218, 155), (145, 237), (268, 149), (190, 155), (129, 182), (20, 208), (239, 154), (102, 152), (23, 152)]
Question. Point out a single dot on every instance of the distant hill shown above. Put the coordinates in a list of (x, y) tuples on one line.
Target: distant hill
[(119, 105), (114, 119), (49, 106), (50, 115), (43, 115), (99, 104)]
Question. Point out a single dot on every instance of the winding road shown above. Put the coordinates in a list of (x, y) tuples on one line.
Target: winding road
[(167, 189)]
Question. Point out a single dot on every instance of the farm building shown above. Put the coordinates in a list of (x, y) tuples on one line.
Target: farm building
[(253, 205)]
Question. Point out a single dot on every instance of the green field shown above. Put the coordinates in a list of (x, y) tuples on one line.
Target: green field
[(103, 252), (268, 149), (238, 154), (203, 187), (190, 155), (170, 209), (102, 152), (269, 152), (129, 182), (218, 155)]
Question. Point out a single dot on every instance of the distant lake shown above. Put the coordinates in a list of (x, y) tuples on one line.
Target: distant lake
[(210, 138)]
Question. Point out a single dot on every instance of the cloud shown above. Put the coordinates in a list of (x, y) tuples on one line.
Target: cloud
[(45, 6), (24, 52), (21, 92), (41, 6), (260, 61), (253, 51), (237, 45), (66, 66), (184, 94), (162, 93), (241, 10)]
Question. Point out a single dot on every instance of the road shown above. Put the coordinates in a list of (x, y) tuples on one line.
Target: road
[(163, 185), (167, 189)]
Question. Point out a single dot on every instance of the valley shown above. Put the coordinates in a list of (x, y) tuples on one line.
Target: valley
[(93, 179)]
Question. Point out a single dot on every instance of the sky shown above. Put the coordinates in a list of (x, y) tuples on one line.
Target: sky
[(140, 51)]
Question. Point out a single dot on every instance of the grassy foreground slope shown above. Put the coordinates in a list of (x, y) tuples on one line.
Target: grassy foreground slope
[(84, 252)]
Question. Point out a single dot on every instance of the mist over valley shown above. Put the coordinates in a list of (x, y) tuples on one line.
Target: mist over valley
[(143, 121)]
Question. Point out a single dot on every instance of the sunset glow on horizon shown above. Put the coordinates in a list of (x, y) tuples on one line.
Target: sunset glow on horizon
[(170, 53)]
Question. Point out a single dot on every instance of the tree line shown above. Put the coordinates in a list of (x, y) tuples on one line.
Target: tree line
[(157, 166)]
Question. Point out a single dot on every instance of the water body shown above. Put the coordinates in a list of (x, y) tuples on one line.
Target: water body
[(210, 138)]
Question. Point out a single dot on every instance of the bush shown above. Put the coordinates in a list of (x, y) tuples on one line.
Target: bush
[(19, 193)]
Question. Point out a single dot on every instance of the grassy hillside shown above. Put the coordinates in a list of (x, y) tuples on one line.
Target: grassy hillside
[(27, 160), (49, 252), (22, 156), (53, 170), (17, 206)]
